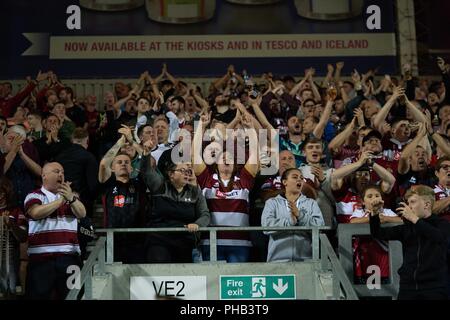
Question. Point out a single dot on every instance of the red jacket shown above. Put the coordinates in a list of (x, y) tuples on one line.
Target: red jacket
[(8, 104)]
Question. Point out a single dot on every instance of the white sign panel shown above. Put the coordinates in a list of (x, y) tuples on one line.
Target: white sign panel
[(168, 287)]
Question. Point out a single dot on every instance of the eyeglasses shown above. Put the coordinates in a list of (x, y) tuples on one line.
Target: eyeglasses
[(184, 171)]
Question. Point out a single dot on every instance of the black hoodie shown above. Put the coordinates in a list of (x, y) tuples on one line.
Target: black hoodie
[(424, 251)]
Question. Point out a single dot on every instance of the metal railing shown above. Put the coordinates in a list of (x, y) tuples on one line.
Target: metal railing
[(212, 236), (329, 261), (96, 257), (345, 234), (103, 253)]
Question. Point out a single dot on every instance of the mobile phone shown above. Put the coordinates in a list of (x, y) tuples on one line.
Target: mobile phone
[(253, 94)]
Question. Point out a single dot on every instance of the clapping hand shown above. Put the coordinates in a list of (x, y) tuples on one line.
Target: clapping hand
[(66, 191)]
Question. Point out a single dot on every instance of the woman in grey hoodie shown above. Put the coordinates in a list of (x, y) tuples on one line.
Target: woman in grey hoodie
[(290, 208)]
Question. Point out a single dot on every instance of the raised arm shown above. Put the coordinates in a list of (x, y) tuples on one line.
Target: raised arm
[(329, 75), (300, 84), (255, 103), (404, 163), (317, 96), (104, 172), (252, 164), (338, 175), (318, 130), (29, 163), (441, 143), (197, 144), (337, 74), (387, 179), (169, 76), (415, 112), (383, 113), (340, 139), (16, 144)]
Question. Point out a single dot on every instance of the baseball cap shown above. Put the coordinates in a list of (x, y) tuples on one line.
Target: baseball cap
[(372, 134)]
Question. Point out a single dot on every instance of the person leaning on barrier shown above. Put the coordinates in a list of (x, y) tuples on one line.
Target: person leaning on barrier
[(176, 203), (53, 212), (292, 208), (423, 274)]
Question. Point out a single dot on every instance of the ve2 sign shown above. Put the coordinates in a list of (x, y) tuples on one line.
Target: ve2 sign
[(168, 287)]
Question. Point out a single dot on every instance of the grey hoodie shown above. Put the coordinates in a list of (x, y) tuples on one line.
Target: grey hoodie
[(289, 245)]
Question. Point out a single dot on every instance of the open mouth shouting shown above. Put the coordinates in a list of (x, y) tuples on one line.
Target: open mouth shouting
[(421, 162), (315, 156)]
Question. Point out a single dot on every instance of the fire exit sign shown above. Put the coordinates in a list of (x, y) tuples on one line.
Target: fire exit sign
[(257, 287)]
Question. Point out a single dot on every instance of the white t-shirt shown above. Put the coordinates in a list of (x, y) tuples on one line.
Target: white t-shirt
[(361, 213)]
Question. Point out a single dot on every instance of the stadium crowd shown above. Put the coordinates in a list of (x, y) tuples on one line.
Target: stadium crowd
[(162, 153)]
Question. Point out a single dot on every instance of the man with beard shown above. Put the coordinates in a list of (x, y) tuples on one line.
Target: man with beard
[(73, 111), (413, 164), (319, 176), (348, 182), (221, 110), (294, 140)]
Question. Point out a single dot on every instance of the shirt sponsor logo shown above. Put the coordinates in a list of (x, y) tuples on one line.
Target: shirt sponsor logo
[(119, 201)]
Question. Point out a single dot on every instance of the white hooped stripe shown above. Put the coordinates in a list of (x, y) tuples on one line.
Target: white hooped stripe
[(236, 219), (63, 248)]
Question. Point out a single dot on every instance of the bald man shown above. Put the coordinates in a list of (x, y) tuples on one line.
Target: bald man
[(53, 246)]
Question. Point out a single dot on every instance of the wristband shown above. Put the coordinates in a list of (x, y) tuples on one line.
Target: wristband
[(73, 200)]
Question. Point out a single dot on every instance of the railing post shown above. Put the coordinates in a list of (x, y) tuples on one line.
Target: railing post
[(101, 261), (109, 247), (336, 286), (88, 286), (324, 263), (315, 243), (213, 245)]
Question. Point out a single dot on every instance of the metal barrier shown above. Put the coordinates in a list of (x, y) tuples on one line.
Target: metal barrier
[(322, 253), (96, 257), (212, 236), (329, 261), (345, 233)]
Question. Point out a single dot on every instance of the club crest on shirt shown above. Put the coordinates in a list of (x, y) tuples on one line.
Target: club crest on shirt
[(119, 201)]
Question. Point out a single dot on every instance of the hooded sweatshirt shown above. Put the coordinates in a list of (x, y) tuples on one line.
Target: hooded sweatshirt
[(287, 246)]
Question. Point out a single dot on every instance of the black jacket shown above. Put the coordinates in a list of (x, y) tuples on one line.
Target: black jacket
[(81, 168), (170, 208), (424, 251)]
